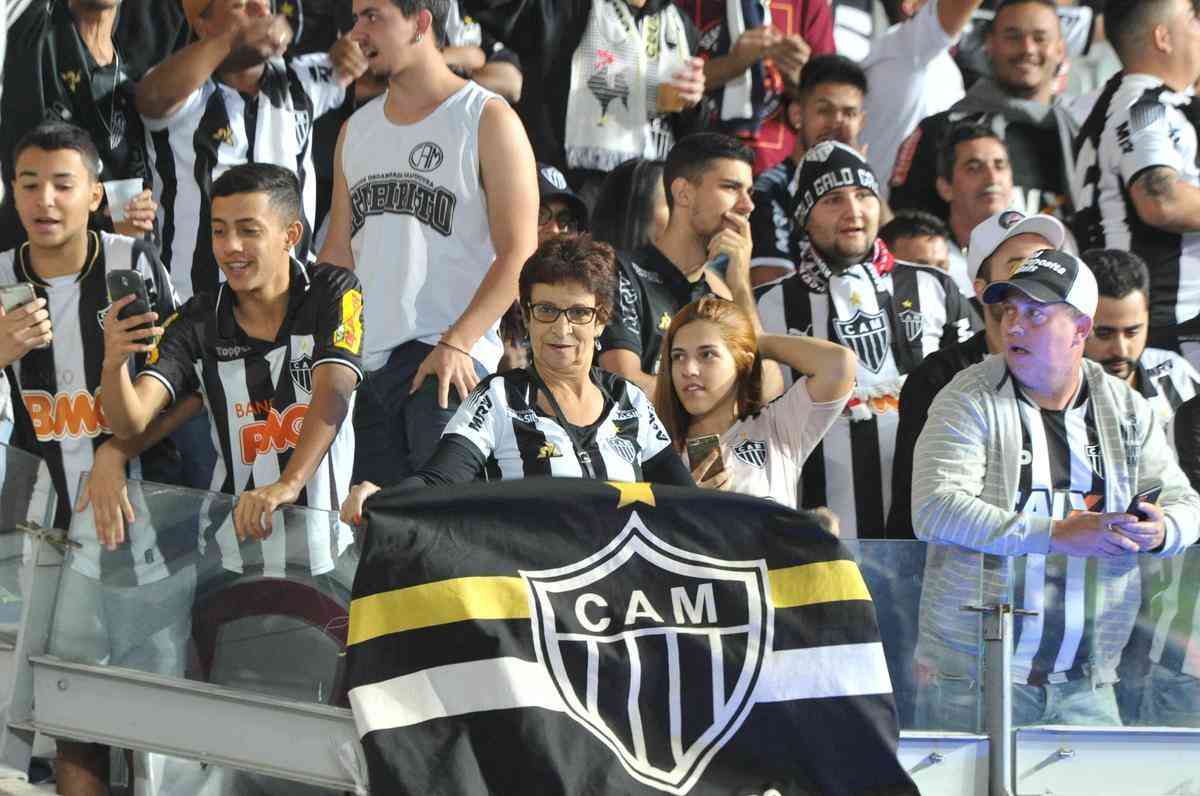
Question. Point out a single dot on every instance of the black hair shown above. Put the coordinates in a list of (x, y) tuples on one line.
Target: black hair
[(279, 184), (911, 223), (1126, 22), (960, 133), (831, 68), (439, 9), (1118, 273), (690, 156), (50, 136), (1050, 4), (624, 213)]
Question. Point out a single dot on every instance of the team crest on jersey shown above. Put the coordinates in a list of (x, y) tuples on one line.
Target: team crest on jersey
[(752, 452), (913, 324), (303, 123), (549, 451), (425, 156), (1096, 459), (681, 613), (866, 334), (301, 369), (624, 448)]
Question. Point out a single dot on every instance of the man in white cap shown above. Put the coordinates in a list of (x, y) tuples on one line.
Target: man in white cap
[(1033, 478)]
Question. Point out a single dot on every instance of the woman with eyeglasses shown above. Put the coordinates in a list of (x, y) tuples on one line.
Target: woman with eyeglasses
[(559, 416)]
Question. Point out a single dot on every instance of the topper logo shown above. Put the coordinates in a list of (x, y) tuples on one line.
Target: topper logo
[(276, 433), (65, 415)]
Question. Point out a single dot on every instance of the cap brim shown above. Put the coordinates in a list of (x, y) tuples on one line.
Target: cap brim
[(1047, 227), (996, 292), (572, 201)]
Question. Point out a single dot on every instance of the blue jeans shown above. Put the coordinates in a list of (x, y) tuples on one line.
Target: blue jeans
[(193, 461), (395, 433), (1172, 699)]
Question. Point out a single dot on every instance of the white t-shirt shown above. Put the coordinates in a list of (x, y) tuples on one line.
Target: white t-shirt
[(765, 452), (910, 76)]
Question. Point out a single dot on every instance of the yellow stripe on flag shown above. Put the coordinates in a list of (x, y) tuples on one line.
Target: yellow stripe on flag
[(480, 598), (438, 603), (809, 584)]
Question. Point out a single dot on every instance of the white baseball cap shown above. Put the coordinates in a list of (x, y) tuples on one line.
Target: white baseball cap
[(990, 233), (1051, 277)]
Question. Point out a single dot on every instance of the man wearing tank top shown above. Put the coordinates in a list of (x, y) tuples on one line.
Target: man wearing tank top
[(435, 207)]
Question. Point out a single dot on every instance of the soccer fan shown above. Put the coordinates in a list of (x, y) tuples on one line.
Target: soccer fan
[(64, 64), (753, 53), (560, 416), (849, 289), (1031, 458), (826, 106), (1025, 47), (261, 348), (707, 179), (435, 208), (1136, 179), (917, 237), (226, 99), (998, 245), (560, 210), (1119, 330), (631, 208), (52, 350)]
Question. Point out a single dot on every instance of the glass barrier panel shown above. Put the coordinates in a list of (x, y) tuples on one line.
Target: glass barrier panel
[(182, 596), (27, 499), (934, 649)]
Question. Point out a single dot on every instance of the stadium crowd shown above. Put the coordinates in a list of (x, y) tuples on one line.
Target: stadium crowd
[(929, 269)]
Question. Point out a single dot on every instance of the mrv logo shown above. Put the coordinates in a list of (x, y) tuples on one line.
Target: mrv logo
[(433, 207), (654, 649)]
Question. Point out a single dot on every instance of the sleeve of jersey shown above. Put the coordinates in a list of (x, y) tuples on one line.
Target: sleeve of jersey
[(919, 39), (172, 361), (319, 78), (624, 329), (188, 108), (652, 435), (799, 422), (770, 231), (1148, 142), (339, 336), (475, 421)]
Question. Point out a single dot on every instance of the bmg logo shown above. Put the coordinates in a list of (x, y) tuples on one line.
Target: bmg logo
[(425, 157)]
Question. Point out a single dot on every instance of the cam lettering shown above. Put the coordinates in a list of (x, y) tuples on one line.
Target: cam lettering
[(592, 614), (276, 433), (433, 207), (65, 415)]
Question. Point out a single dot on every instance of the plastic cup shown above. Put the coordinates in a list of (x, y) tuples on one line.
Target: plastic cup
[(121, 193)]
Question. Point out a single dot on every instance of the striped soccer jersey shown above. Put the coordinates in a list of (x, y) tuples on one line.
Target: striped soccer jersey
[(217, 128), (517, 439), (1166, 380), (891, 321), (58, 416), (258, 392), (1137, 124)]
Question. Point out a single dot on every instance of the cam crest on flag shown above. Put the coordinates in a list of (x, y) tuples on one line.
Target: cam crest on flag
[(654, 611), (752, 452), (866, 334)]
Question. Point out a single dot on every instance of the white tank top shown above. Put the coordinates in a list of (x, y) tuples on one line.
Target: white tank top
[(419, 226)]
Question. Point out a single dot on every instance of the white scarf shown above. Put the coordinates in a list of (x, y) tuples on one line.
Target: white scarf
[(615, 74), (737, 96)]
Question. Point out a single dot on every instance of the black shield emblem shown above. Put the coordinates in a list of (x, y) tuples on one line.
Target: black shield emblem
[(752, 452), (866, 334), (301, 370), (628, 620), (913, 324), (624, 448), (303, 122)]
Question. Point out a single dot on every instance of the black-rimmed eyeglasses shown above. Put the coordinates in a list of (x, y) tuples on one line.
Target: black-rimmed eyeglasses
[(565, 219), (548, 313)]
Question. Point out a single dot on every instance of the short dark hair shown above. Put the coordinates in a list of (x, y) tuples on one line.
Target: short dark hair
[(573, 258), (1050, 4), (50, 136), (912, 223), (831, 68), (1118, 273), (1128, 21), (690, 156), (960, 133), (279, 184), (440, 9)]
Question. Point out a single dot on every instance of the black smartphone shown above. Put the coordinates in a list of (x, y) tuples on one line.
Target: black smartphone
[(124, 282), (699, 449), (1149, 496)]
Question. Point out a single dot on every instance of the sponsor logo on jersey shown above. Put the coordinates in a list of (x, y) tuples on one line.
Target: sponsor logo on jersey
[(426, 156), (625, 414), (549, 451), (432, 206), (348, 335), (752, 452), (66, 415), (481, 405), (641, 595), (275, 433), (866, 334), (231, 351)]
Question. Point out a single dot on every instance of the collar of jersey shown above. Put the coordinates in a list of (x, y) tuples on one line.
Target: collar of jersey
[(673, 278), (227, 325), (25, 265)]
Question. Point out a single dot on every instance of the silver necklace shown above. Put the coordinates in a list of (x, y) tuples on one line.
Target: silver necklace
[(116, 132)]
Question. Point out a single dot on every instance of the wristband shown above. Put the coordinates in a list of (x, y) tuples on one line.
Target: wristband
[(453, 347)]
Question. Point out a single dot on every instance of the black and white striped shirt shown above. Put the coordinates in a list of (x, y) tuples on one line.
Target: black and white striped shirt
[(216, 128), (502, 422), (1136, 124), (891, 321), (58, 416), (1166, 380), (258, 393)]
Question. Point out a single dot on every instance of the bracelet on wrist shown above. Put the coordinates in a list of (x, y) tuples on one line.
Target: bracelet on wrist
[(453, 347)]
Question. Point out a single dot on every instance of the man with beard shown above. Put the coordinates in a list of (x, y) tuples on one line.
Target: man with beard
[(828, 106), (1119, 331), (849, 289), (1025, 46), (707, 178), (231, 98)]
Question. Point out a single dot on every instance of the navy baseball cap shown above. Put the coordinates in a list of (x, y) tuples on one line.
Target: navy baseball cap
[(1051, 277)]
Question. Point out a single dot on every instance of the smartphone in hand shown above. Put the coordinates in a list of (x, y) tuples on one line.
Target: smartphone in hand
[(124, 282), (1149, 496), (699, 449), (14, 296)]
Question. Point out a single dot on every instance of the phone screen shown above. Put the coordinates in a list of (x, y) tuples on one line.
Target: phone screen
[(699, 449)]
